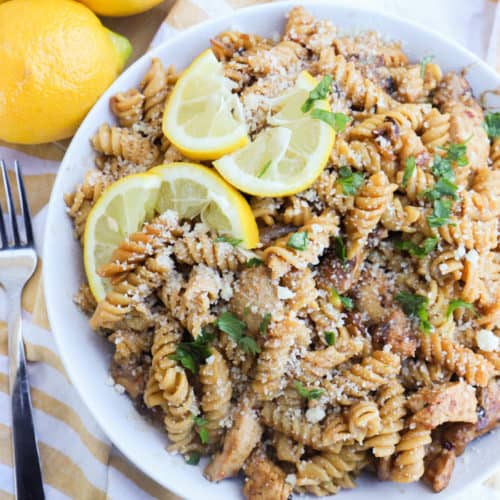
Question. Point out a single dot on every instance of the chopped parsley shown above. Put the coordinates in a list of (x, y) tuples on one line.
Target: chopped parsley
[(340, 250), (337, 121), (440, 214), (410, 165), (428, 245), (414, 305), (349, 181), (254, 262), (442, 168), (457, 153), (308, 393), (193, 458), (330, 337), (492, 123), (191, 354), (232, 241), (298, 241), (201, 423), (264, 169), (264, 324), (319, 92), (423, 64), (341, 299), (235, 328), (443, 187), (458, 303)]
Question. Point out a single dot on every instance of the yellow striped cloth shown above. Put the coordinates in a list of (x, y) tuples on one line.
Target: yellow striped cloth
[(78, 460)]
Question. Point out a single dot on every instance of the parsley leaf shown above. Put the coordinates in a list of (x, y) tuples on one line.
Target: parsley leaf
[(349, 180), (441, 213), (428, 245), (191, 354), (457, 153), (201, 423), (298, 241), (264, 324), (330, 337), (230, 324), (423, 64), (443, 187), (235, 328), (456, 304), (441, 167), (224, 239), (340, 250), (264, 169), (414, 305), (343, 300), (254, 262), (193, 458), (492, 122), (337, 121), (308, 393), (321, 91), (410, 165)]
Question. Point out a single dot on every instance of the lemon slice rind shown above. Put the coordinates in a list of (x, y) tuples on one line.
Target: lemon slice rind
[(308, 148), (203, 118)]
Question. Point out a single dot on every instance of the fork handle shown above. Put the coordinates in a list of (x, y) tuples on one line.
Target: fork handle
[(29, 484)]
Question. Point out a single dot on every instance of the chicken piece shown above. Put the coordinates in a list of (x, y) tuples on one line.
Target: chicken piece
[(438, 469), (466, 125), (458, 436), (453, 88), (255, 295), (374, 292), (131, 376), (384, 467), (451, 402), (239, 442), (396, 331), (332, 273), (265, 480)]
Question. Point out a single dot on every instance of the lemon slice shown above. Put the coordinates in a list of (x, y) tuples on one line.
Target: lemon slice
[(203, 118), (194, 190), (287, 156), (189, 189), (121, 210)]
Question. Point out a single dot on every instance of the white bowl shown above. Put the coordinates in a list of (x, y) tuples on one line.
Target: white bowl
[(86, 356)]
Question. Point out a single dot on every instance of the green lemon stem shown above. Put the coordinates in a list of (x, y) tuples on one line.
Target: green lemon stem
[(123, 47)]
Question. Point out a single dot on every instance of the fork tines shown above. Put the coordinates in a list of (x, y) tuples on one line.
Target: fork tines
[(12, 220)]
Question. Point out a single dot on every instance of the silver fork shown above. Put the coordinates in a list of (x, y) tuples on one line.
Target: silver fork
[(17, 263)]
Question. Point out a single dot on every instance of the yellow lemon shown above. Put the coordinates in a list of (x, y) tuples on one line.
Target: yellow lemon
[(288, 156), (191, 190), (57, 59), (203, 118), (120, 7)]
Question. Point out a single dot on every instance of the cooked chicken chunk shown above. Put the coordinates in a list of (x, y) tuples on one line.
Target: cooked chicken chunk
[(254, 296), (239, 442), (397, 332), (265, 480), (439, 468), (451, 402)]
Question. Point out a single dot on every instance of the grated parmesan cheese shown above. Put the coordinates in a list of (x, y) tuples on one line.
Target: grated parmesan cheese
[(315, 415), (285, 293), (487, 340)]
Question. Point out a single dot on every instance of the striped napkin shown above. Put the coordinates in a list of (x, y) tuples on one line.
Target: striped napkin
[(78, 460)]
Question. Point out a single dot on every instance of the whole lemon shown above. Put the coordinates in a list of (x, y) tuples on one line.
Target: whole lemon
[(56, 60), (120, 7)]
